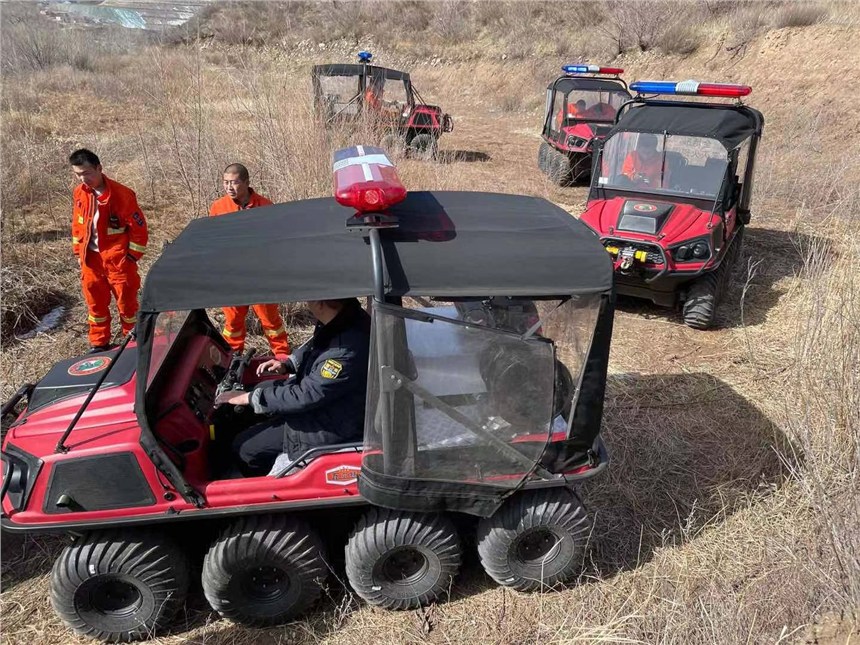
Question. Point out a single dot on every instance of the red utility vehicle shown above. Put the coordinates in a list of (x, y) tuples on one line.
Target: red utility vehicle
[(580, 108), (671, 191), (485, 395), (344, 94)]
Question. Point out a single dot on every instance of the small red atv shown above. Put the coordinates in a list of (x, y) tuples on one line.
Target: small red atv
[(671, 192), (581, 106), (344, 94), (491, 326)]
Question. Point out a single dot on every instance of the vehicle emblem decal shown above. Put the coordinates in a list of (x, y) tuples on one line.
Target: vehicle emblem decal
[(342, 475), (214, 355), (89, 366), (330, 369), (644, 208)]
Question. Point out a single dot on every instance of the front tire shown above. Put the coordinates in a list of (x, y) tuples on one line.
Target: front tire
[(559, 168), (119, 586), (535, 540), (401, 560), (424, 146), (264, 570), (705, 294)]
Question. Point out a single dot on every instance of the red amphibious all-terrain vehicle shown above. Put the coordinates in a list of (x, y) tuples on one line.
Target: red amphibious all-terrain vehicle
[(491, 326), (580, 108), (671, 191), (345, 94)]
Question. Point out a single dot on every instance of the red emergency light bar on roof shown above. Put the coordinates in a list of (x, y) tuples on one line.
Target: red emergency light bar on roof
[(691, 88), (591, 69), (365, 179)]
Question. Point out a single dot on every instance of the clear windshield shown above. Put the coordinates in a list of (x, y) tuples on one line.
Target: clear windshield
[(663, 164), (463, 402), (167, 328), (338, 93), (594, 105), (387, 95)]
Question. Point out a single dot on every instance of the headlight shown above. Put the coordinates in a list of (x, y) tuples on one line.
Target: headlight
[(696, 250), (575, 142), (19, 475)]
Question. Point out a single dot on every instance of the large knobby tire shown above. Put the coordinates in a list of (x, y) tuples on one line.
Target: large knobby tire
[(119, 586), (543, 154), (401, 560), (264, 570), (705, 294), (394, 144), (423, 146), (535, 540), (559, 168)]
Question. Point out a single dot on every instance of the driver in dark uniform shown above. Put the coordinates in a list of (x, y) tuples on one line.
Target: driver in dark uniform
[(323, 404)]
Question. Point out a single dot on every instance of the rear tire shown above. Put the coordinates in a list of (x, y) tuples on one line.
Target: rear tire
[(543, 154), (705, 294), (264, 570), (401, 560), (119, 586), (535, 540)]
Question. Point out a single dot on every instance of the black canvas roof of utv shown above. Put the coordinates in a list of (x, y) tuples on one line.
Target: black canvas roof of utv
[(344, 69), (449, 244), (731, 125), (569, 83)]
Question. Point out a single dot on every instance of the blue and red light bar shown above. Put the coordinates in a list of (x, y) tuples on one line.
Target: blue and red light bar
[(590, 69), (691, 88)]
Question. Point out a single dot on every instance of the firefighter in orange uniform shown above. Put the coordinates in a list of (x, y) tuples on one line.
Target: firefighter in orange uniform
[(240, 196), (644, 165), (108, 237)]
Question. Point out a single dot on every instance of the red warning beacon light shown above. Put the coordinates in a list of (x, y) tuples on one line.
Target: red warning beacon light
[(365, 179)]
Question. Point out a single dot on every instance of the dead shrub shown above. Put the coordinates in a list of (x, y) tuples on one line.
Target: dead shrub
[(796, 14), (681, 38)]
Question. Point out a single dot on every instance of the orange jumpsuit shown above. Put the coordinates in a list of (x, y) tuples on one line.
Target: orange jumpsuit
[(112, 268), (234, 324), (637, 166)]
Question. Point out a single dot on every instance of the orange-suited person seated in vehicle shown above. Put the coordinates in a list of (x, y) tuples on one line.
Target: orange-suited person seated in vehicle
[(644, 165)]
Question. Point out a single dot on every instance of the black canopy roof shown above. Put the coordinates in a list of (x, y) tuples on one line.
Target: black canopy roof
[(731, 125), (449, 244), (344, 69), (568, 83)]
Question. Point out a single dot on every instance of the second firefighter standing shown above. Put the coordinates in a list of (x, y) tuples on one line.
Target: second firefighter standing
[(109, 236), (240, 196)]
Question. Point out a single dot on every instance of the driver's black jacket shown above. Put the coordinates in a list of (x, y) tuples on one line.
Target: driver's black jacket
[(324, 403)]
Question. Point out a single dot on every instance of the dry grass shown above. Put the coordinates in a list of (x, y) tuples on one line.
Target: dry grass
[(729, 513)]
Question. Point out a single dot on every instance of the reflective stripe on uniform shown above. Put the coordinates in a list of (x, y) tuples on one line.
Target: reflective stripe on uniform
[(97, 319), (275, 332), (137, 247), (128, 321), (76, 240), (231, 334), (116, 231), (80, 220)]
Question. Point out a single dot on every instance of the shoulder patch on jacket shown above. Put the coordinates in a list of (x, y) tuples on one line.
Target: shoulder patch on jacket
[(330, 369)]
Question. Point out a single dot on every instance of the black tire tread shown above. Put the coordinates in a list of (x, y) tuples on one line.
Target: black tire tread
[(145, 555), (249, 539), (706, 292), (557, 507), (380, 530)]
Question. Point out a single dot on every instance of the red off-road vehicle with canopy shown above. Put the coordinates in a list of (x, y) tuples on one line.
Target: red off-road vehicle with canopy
[(581, 106), (344, 94), (671, 192), (491, 326)]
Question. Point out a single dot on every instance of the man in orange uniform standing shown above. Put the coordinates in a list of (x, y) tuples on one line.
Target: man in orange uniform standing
[(109, 236), (240, 196)]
